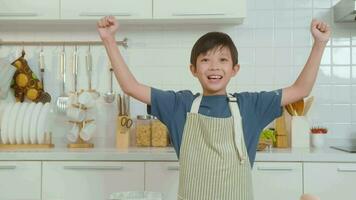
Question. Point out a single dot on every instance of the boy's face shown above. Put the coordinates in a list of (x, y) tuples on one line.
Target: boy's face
[(214, 70)]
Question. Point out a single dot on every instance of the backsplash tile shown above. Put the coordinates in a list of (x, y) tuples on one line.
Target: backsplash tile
[(274, 43)]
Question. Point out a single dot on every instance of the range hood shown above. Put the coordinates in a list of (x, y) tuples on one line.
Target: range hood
[(345, 11)]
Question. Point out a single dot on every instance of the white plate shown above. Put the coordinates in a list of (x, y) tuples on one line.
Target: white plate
[(3, 106), (12, 123), (19, 122), (5, 123), (42, 122), (27, 123), (33, 125)]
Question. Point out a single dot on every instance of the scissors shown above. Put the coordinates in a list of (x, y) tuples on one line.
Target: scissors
[(125, 121)]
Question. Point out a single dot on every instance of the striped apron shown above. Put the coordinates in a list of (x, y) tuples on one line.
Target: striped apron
[(214, 163)]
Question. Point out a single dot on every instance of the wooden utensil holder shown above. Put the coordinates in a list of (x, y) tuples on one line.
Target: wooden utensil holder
[(122, 134), (80, 143), (281, 132), (47, 144)]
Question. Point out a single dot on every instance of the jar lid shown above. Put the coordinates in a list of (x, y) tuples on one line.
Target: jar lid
[(144, 117)]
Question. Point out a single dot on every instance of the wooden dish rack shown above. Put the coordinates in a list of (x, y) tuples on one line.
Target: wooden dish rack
[(47, 144)]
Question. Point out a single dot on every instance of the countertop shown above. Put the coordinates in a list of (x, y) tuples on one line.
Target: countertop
[(167, 154)]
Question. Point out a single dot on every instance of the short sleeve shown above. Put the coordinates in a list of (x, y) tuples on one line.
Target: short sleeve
[(163, 103), (268, 106)]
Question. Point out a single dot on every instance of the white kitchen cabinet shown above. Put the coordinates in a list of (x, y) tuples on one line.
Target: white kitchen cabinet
[(29, 9), (235, 10), (20, 180), (277, 180), (94, 9), (330, 181), (90, 180), (162, 177)]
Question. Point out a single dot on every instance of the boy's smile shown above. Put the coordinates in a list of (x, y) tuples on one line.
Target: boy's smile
[(214, 70)]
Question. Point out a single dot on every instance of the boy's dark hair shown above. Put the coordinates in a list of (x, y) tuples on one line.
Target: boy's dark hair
[(210, 41)]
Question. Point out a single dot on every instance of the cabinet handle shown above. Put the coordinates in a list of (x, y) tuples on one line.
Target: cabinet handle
[(197, 14), (173, 168), (345, 169), (93, 167), (99, 14), (18, 14), (274, 169), (8, 167)]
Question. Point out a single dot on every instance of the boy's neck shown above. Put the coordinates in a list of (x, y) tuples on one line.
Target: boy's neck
[(214, 94)]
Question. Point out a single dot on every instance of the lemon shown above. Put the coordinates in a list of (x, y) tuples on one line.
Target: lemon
[(21, 80), (18, 64), (32, 94)]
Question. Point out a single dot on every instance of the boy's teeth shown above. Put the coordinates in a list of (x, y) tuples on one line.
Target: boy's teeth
[(214, 77)]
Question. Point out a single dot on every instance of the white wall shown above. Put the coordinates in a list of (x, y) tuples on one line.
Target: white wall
[(273, 44)]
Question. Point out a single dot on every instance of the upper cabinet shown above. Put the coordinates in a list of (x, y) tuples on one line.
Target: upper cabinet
[(145, 11), (29, 9), (230, 10), (122, 9)]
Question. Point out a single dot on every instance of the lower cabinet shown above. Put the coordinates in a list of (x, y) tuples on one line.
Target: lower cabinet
[(90, 180), (162, 177), (330, 181), (20, 180), (277, 180), (61, 180)]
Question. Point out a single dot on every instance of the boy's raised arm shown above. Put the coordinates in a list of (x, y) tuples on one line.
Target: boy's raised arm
[(305, 82), (107, 28)]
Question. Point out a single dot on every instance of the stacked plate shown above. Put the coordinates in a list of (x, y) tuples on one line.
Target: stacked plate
[(24, 123)]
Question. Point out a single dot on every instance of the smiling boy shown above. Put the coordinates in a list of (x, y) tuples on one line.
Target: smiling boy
[(215, 133)]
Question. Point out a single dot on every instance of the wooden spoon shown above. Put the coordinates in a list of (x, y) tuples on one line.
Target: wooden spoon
[(289, 109), (308, 104), (298, 106)]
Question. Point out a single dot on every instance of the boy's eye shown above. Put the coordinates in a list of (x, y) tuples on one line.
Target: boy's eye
[(204, 60), (223, 59)]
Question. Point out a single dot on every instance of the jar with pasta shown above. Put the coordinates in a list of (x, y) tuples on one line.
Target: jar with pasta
[(143, 131), (160, 136)]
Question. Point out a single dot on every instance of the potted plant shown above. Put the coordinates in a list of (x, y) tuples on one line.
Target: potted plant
[(317, 136)]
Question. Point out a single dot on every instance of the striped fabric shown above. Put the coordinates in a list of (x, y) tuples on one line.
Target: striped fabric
[(210, 167)]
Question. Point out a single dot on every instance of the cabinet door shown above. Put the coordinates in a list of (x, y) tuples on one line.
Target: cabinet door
[(29, 9), (20, 180), (197, 9), (94, 9), (277, 181), (90, 180), (330, 181), (162, 177)]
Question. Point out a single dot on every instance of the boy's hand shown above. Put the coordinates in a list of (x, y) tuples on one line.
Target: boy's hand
[(107, 27), (320, 31)]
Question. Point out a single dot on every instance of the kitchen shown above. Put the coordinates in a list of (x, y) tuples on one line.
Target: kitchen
[(273, 40)]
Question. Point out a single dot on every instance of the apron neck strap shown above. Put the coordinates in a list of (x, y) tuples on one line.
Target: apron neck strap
[(232, 104)]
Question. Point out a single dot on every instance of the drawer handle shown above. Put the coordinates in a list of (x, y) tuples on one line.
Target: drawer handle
[(274, 169), (93, 167), (198, 14), (8, 167), (18, 14), (99, 14), (173, 168), (341, 169)]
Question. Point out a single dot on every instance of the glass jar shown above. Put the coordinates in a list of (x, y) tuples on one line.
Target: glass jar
[(143, 131), (159, 136)]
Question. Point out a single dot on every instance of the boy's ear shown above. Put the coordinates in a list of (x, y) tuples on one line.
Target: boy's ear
[(193, 69), (235, 69)]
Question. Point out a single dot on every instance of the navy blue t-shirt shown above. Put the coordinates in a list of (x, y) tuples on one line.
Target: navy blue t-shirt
[(257, 110)]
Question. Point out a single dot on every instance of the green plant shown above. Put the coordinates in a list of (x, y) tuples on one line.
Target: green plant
[(268, 134)]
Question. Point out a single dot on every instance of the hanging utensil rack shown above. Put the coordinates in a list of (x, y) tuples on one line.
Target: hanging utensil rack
[(59, 43)]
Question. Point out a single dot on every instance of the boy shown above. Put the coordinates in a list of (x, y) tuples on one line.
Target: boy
[(215, 134)]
